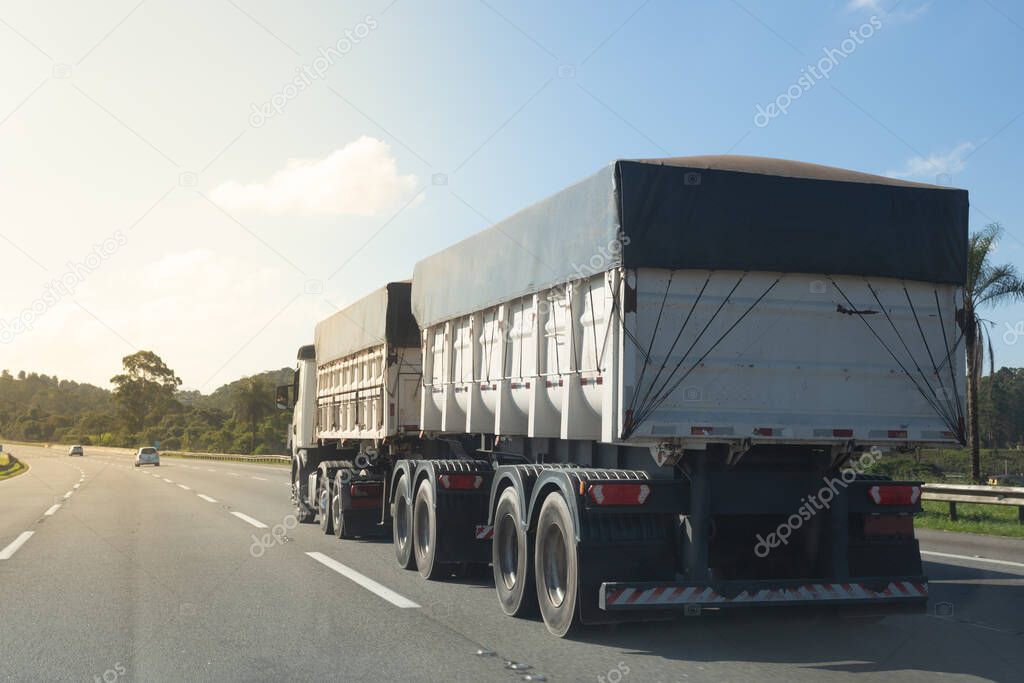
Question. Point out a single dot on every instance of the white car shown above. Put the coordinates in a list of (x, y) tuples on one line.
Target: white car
[(76, 450), (147, 456)]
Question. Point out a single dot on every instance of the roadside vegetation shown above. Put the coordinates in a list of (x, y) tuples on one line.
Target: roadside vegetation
[(146, 407), (994, 520)]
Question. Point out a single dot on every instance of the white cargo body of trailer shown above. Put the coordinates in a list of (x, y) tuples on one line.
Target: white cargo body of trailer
[(795, 369), (570, 342), (368, 369)]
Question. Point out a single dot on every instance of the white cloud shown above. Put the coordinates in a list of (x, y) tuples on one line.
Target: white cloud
[(934, 165), (899, 14), (359, 179)]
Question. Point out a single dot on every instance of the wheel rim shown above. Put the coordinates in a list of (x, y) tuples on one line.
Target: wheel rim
[(402, 521), (508, 551), (324, 499), (555, 564), (422, 527)]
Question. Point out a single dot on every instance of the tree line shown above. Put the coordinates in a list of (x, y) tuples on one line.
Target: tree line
[(146, 407)]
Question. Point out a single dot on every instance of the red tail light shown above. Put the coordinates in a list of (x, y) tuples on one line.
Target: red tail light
[(460, 482), (619, 494), (895, 495), (364, 490), (365, 495), (897, 433), (888, 525), (842, 433), (763, 431)]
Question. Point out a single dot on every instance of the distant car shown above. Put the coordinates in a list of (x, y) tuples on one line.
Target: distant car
[(147, 456), (76, 450)]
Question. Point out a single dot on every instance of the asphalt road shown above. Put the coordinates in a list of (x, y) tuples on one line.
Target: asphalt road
[(168, 574)]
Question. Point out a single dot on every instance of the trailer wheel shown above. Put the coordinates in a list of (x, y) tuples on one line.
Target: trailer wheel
[(401, 526), (337, 514), (323, 501), (556, 567), (424, 532), (510, 557)]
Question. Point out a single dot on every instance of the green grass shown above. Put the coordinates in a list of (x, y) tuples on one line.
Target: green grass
[(18, 468), (974, 518)]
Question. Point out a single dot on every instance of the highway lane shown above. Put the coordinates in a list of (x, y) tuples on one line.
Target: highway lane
[(144, 573)]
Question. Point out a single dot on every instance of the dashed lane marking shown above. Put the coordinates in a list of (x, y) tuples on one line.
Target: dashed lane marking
[(364, 581), (246, 518), (8, 552)]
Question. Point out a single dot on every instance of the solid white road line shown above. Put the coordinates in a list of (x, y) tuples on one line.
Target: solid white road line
[(53, 508), (255, 522), (364, 581), (12, 548), (207, 498), (182, 486), (968, 558), (259, 479)]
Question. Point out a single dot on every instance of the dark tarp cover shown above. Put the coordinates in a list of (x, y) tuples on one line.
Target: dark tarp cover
[(705, 213), (383, 315)]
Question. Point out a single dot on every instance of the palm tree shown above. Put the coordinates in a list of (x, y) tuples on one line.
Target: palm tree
[(987, 285), (252, 403)]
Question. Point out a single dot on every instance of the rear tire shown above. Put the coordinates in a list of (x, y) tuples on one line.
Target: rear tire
[(556, 567), (424, 533), (510, 557), (401, 526), (337, 514), (323, 500)]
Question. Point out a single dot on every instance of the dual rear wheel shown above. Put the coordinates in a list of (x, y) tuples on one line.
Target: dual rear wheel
[(538, 572), (531, 572)]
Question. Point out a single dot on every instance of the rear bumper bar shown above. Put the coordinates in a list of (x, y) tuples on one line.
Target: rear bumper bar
[(638, 596)]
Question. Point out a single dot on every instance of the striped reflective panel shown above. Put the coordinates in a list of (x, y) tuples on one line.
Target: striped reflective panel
[(668, 595)]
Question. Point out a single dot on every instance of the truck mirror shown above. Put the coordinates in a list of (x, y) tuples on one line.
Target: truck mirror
[(281, 398)]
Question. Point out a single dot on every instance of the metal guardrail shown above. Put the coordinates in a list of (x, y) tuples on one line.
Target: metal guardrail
[(967, 493), (237, 457), (227, 456)]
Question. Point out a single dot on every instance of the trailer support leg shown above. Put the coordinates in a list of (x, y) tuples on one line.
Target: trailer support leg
[(839, 533), (698, 523)]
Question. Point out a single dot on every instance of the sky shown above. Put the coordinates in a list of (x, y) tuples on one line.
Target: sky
[(207, 179)]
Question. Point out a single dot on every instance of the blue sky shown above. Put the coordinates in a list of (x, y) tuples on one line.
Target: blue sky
[(133, 123)]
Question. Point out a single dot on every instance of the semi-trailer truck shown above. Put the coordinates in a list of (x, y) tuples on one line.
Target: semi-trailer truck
[(656, 391)]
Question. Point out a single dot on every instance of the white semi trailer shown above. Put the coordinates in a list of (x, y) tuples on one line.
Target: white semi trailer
[(652, 392)]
